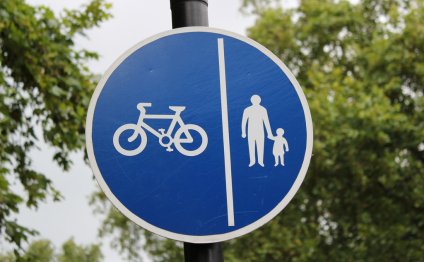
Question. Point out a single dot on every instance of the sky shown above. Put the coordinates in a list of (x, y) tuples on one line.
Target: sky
[(133, 21)]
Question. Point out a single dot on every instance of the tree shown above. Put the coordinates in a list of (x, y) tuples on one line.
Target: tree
[(72, 252), (361, 66), (44, 84), (44, 251)]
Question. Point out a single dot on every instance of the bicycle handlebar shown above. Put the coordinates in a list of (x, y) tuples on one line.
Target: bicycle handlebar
[(141, 105)]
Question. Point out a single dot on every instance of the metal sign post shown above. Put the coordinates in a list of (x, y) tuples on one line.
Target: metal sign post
[(199, 135), (188, 134), (189, 13), (195, 13)]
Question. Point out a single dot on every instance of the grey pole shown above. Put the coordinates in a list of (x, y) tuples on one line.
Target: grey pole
[(189, 13), (203, 252), (195, 13)]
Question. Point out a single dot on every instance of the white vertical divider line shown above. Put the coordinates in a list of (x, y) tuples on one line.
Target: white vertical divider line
[(226, 133)]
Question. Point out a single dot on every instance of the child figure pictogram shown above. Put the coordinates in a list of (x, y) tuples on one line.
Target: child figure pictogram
[(280, 146)]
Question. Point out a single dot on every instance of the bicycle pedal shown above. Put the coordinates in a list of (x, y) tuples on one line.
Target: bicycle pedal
[(169, 149), (161, 130)]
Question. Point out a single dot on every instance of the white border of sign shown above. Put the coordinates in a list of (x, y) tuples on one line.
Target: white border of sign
[(192, 238)]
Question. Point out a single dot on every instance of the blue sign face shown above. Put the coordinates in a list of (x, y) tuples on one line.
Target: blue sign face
[(199, 135)]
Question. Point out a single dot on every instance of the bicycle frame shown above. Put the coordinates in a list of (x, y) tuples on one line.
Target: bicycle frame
[(176, 118)]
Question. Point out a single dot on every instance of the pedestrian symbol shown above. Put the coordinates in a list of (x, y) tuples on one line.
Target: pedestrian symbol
[(280, 147), (257, 117), (188, 134)]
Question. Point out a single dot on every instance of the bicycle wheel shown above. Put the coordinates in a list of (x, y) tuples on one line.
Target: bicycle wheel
[(190, 129), (138, 130)]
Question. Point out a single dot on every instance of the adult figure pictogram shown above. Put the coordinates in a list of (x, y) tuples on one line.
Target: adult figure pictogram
[(256, 117)]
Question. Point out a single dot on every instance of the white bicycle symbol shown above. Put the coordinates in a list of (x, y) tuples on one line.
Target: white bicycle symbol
[(165, 139)]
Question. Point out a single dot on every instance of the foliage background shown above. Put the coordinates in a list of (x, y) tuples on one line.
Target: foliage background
[(361, 65), (45, 84)]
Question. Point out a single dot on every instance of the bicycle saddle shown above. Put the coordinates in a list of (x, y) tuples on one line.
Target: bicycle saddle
[(177, 108), (142, 105)]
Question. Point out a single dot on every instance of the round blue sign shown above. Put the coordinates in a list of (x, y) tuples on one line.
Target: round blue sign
[(199, 135)]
